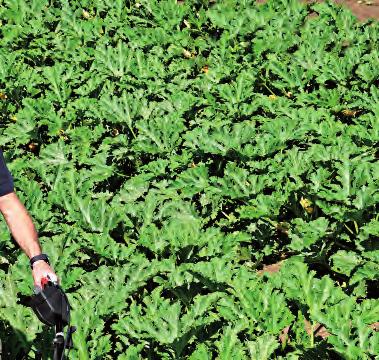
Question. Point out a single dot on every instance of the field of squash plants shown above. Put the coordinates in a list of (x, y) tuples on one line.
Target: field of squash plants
[(204, 176)]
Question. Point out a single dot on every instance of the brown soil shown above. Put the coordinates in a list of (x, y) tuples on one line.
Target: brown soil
[(362, 9), (272, 268)]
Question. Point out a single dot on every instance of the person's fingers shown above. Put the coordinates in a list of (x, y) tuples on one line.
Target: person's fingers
[(43, 271), (53, 278), (37, 280)]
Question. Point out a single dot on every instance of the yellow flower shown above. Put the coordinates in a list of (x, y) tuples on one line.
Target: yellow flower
[(85, 14), (306, 205), (205, 69), (186, 53), (348, 112)]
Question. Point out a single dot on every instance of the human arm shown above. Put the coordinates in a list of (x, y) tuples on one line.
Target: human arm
[(21, 225), (24, 232)]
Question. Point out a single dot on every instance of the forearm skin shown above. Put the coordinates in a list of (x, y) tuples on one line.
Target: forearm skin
[(20, 224)]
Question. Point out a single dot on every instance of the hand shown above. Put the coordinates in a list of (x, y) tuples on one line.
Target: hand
[(42, 269)]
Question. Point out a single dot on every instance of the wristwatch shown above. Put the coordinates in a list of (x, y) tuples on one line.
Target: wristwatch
[(37, 258)]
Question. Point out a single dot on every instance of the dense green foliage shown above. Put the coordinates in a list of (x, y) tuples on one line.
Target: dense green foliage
[(167, 152)]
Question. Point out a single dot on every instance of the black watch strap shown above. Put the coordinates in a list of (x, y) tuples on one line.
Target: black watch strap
[(37, 258)]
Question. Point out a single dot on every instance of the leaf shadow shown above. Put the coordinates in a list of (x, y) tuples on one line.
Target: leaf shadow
[(14, 344)]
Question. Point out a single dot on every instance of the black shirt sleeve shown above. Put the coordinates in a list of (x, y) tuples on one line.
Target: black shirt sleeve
[(6, 179)]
